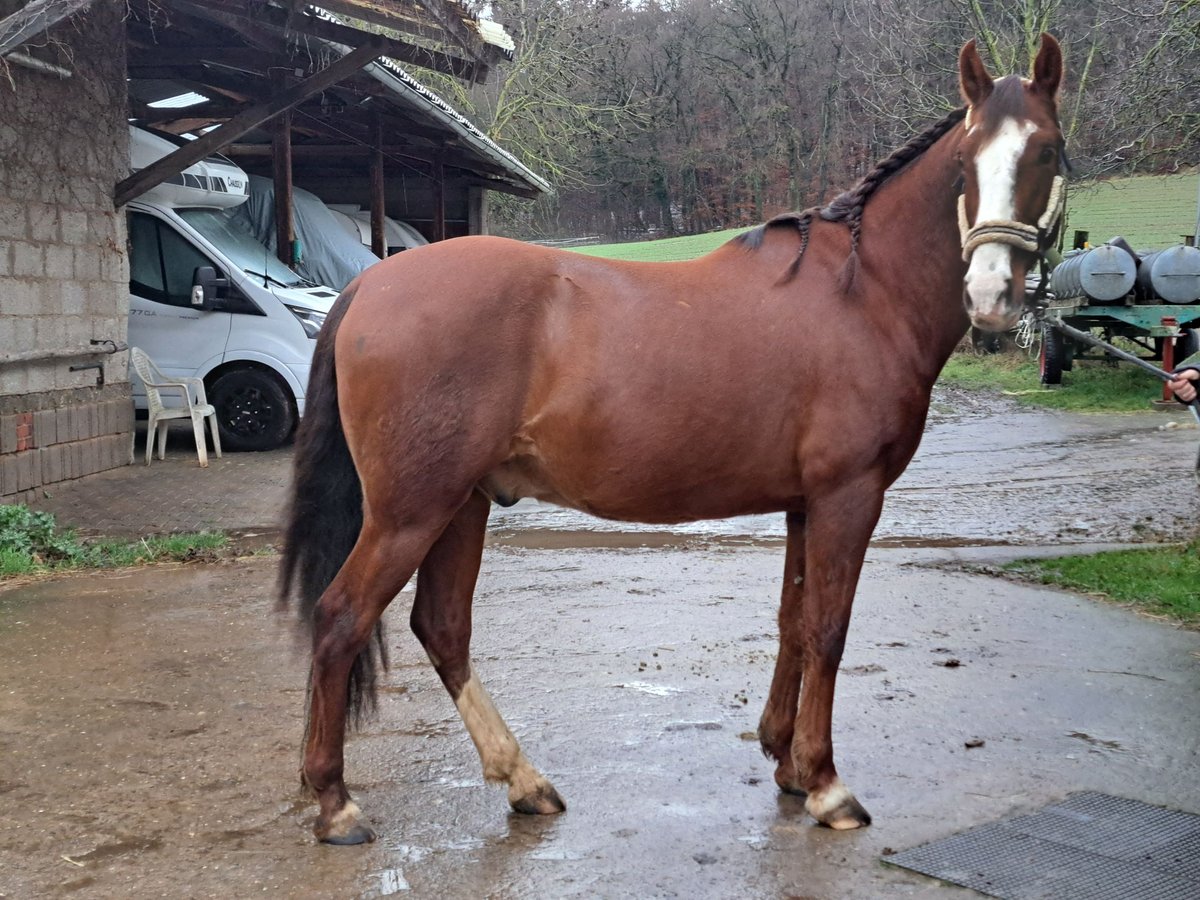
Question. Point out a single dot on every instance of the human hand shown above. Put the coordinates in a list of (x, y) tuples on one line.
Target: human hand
[(1184, 384)]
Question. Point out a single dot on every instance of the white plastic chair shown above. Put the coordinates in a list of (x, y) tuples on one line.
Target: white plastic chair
[(195, 406)]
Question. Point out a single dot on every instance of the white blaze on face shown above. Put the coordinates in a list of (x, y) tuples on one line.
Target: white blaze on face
[(990, 272)]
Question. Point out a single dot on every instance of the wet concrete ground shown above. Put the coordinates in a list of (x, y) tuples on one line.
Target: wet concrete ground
[(150, 721)]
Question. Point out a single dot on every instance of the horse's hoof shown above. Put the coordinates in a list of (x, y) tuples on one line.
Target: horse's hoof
[(343, 828), (359, 834), (542, 801), (836, 808)]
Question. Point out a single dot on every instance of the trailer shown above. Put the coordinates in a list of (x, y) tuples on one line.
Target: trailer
[(1150, 300)]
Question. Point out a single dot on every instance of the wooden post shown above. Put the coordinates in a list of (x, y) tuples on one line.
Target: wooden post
[(378, 236), (438, 171), (281, 141)]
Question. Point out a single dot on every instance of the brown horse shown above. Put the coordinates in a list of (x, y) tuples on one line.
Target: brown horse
[(484, 370)]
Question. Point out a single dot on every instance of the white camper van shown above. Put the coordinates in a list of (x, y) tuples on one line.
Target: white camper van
[(208, 300)]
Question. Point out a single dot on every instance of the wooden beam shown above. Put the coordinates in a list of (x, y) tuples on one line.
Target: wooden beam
[(147, 115), (438, 172), (378, 238), (281, 141), (457, 159), (207, 144), (389, 15)]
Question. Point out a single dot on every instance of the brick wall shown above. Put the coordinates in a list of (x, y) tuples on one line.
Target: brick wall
[(63, 268)]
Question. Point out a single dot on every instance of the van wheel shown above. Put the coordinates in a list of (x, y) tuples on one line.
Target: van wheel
[(255, 410)]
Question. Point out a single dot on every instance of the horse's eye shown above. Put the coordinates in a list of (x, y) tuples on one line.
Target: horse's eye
[(1048, 155)]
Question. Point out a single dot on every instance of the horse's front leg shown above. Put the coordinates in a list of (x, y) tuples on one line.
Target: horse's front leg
[(778, 722), (839, 528)]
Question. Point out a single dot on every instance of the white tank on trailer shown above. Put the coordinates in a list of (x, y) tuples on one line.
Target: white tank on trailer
[(1102, 274), (1172, 274)]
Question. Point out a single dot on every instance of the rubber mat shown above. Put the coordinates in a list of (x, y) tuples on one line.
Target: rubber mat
[(1090, 846)]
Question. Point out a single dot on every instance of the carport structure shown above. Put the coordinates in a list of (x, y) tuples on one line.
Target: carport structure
[(317, 97)]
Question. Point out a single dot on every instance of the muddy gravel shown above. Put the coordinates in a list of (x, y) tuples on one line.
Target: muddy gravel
[(150, 721)]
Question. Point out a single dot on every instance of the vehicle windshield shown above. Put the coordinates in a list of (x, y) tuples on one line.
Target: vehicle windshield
[(240, 247)]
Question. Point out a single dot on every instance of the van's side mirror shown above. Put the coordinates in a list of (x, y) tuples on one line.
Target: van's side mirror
[(205, 286)]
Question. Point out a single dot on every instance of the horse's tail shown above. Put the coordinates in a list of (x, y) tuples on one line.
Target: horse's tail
[(324, 515)]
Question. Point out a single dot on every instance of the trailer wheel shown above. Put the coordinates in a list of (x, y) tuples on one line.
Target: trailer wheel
[(255, 410), (1054, 351)]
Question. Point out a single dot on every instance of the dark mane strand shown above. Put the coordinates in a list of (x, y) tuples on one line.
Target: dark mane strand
[(847, 207)]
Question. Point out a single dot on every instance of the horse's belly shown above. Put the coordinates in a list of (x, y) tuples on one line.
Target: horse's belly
[(634, 496)]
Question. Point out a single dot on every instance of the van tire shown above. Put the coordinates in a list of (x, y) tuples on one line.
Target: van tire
[(255, 409)]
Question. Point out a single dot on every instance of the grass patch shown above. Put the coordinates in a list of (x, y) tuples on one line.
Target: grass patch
[(31, 543), (1161, 580), (665, 249), (1088, 387)]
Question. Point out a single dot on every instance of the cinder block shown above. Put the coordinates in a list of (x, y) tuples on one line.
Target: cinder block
[(5, 258), (14, 380), (28, 471), (45, 427), (78, 424), (12, 219), (8, 475), (91, 456), (43, 222), (51, 464), (74, 227), (74, 298), (60, 261), (125, 415), (87, 263), (116, 451), (28, 260), (22, 297), (74, 459), (112, 266), (8, 434), (63, 417)]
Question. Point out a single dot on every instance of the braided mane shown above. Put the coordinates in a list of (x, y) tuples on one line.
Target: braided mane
[(847, 207)]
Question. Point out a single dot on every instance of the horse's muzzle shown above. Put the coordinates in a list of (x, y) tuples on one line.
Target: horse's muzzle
[(994, 289)]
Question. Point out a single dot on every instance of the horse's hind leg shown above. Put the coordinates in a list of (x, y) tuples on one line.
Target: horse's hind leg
[(381, 563), (441, 620), (778, 722)]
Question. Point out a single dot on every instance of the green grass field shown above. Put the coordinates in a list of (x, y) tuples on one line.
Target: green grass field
[(1159, 580), (1150, 211), (664, 250), (1091, 386)]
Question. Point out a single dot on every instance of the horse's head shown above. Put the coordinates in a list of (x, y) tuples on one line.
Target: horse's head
[(1012, 157)]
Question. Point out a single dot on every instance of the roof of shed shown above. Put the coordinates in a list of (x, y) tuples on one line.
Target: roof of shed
[(233, 54)]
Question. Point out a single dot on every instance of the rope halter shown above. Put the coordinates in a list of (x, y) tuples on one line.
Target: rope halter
[(1035, 239)]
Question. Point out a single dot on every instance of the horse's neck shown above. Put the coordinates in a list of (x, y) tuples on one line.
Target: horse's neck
[(910, 230)]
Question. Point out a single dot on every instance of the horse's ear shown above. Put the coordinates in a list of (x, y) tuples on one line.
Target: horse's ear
[(1048, 67), (973, 79)]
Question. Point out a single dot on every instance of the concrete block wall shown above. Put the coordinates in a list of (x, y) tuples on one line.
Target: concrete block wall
[(63, 268)]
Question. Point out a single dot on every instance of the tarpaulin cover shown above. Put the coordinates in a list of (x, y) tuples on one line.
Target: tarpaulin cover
[(329, 254)]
